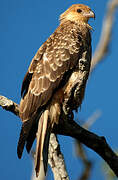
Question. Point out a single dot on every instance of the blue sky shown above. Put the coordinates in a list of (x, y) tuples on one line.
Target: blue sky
[(24, 26)]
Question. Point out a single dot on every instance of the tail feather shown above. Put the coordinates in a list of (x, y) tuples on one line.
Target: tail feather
[(42, 142), (38, 146), (31, 137), (32, 133), (23, 136), (45, 150), (28, 133), (27, 136)]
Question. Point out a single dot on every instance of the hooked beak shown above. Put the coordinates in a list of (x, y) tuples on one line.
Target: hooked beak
[(90, 14)]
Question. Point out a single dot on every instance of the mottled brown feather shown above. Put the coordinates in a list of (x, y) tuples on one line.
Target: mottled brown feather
[(45, 79), (49, 70)]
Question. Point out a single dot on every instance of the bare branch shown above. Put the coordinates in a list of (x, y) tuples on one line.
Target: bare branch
[(102, 47), (92, 119), (91, 140), (87, 171), (56, 160), (9, 105), (80, 150), (98, 144), (87, 163)]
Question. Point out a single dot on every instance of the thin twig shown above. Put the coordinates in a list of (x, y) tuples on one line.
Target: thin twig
[(87, 163), (103, 45), (89, 122), (80, 150)]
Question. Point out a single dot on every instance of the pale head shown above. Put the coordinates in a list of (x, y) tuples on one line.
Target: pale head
[(77, 13)]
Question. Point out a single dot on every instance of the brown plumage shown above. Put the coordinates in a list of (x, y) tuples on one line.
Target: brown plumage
[(49, 71)]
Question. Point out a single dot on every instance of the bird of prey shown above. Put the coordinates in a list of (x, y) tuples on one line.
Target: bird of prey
[(49, 72)]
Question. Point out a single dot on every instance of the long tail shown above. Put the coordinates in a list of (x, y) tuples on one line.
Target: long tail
[(43, 121), (23, 136), (28, 134), (43, 135)]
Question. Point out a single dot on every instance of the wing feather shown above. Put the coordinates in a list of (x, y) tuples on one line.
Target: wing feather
[(45, 78), (45, 74)]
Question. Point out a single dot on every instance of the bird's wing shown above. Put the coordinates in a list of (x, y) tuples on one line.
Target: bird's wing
[(45, 73)]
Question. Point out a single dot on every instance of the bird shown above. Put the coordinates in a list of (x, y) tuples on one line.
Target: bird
[(42, 92)]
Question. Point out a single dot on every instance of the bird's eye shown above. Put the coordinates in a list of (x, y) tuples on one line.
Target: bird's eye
[(79, 10)]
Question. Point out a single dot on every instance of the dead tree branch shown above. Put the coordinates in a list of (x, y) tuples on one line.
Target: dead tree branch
[(68, 127), (9, 105), (91, 140), (80, 149), (103, 44), (87, 163), (56, 159)]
